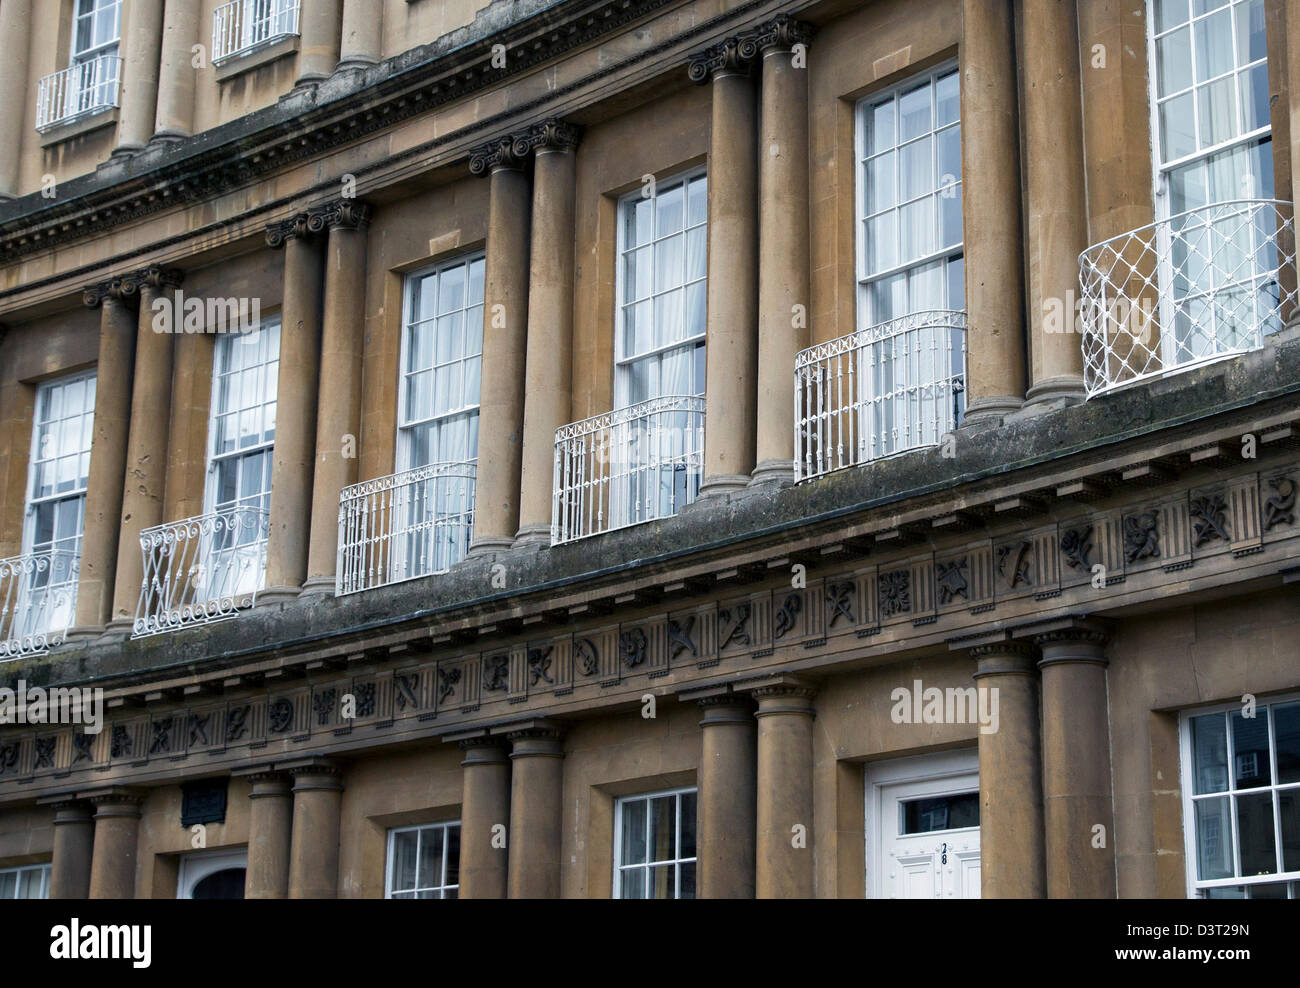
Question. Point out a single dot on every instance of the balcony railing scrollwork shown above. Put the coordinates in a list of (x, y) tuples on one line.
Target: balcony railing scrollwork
[(78, 91), (243, 26), (1201, 285), (38, 595)]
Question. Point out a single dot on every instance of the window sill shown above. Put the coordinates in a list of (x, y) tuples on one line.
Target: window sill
[(106, 117), (256, 58)]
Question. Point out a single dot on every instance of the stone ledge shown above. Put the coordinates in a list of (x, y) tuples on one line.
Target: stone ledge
[(98, 120), (237, 65)]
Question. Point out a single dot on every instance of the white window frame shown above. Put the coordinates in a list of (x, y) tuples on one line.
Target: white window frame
[(93, 10), (420, 829), (676, 860), (196, 867), (101, 61), (18, 871), (1195, 885), (282, 20)]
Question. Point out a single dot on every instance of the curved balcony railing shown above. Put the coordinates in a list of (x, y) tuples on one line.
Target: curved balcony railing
[(38, 597), (882, 390), (1196, 287), (627, 466), (404, 526), (78, 91), (242, 26), (202, 569)]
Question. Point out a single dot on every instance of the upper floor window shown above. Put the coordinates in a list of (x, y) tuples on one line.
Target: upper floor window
[(1241, 802), (241, 26), (90, 83), (424, 862), (654, 846), (27, 882)]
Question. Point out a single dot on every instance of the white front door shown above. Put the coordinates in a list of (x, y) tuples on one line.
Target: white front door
[(923, 834)]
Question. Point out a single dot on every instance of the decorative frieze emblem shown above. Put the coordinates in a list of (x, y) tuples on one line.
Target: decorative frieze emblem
[(82, 745), (895, 588), (323, 704), (679, 637), (404, 687), (735, 622), (45, 752), (839, 597), (1013, 563), (787, 615), (8, 758), (539, 665), (1076, 544), (1209, 519), (237, 722), (1141, 537), (198, 725), (950, 578), (584, 649), (120, 744), (279, 715), (365, 696), (447, 682), (1279, 507), (496, 673), (632, 646), (161, 742)]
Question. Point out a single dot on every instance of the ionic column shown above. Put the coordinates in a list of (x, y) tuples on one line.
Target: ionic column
[(295, 436), (990, 162), (176, 72), (784, 868), (1057, 220), (117, 823), (270, 828), (98, 569), (505, 321), (549, 363), (1011, 774), (783, 245), (138, 98), (320, 26), (15, 28), (536, 810), (363, 29), (314, 847), (485, 807), (726, 806), (1079, 811), (732, 339), (338, 410), (74, 837), (146, 466)]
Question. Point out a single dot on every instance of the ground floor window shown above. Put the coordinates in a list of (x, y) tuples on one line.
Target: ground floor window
[(27, 882), (424, 862), (654, 846), (212, 875)]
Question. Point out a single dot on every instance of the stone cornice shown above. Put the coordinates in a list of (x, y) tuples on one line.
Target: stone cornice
[(737, 53)]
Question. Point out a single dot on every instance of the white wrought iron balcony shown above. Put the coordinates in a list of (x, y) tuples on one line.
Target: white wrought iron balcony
[(628, 466), (202, 569), (38, 595), (78, 91), (1196, 287), (404, 526), (243, 26), (880, 391)]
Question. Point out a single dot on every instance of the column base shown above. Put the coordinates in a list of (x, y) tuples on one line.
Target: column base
[(356, 63), (991, 411), (277, 595), (169, 135), (1054, 392), (83, 633), (723, 483), (318, 586), (119, 629), (490, 545), (780, 472), (126, 150), (538, 536)]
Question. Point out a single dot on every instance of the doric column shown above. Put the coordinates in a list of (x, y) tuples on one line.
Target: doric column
[(784, 860), (297, 391), (726, 806), (990, 163), (536, 810), (338, 410), (1057, 220), (320, 26), (484, 818), (314, 847), (505, 321), (783, 300), (142, 24), (74, 836), (270, 824), (15, 28), (117, 823), (1079, 811), (363, 29), (103, 515), (1011, 773), (732, 308), (146, 466), (176, 72), (549, 363)]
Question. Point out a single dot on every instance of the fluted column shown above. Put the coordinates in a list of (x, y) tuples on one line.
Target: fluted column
[(338, 410), (295, 430), (363, 31), (549, 363), (1011, 774), (783, 299), (142, 24), (15, 28), (98, 569), (270, 827), (74, 838), (536, 810), (146, 464), (726, 807), (176, 73), (314, 846), (784, 860), (731, 367), (990, 161), (117, 825), (1079, 811), (1057, 220), (484, 819), (320, 27), (505, 322)]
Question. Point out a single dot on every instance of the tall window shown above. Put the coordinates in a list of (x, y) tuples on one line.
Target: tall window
[(654, 846), (1241, 809), (424, 862), (96, 32), (27, 882), (240, 26)]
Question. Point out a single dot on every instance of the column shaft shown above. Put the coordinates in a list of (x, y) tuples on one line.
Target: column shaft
[(15, 28), (270, 823), (117, 824), (726, 808), (536, 813), (320, 26), (176, 72), (485, 806), (74, 837), (363, 25), (784, 868), (187, 432), (314, 848), (142, 23)]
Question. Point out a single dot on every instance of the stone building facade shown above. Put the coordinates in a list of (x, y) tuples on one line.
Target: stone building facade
[(593, 448)]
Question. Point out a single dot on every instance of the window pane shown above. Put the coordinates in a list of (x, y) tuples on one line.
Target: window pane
[(8, 883), (1213, 839), (914, 113), (634, 832), (688, 811), (404, 848), (1170, 12), (1250, 31), (1286, 735), (29, 883), (1288, 804), (633, 882), (1177, 128), (1174, 62), (1250, 747), (430, 865), (686, 880), (1210, 754), (663, 882), (1255, 834), (1216, 105), (663, 828), (880, 127), (453, 856), (1213, 38), (947, 99)]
